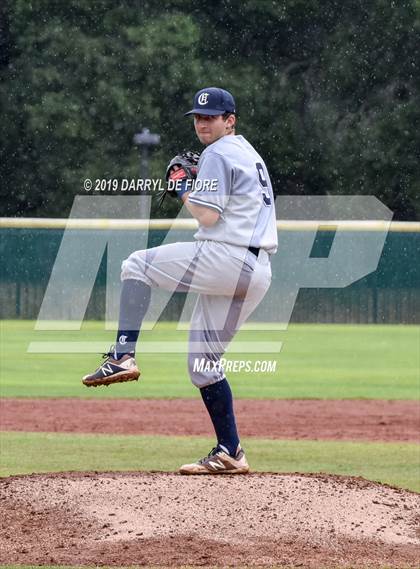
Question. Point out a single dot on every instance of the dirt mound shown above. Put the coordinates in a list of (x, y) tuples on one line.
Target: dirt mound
[(166, 519)]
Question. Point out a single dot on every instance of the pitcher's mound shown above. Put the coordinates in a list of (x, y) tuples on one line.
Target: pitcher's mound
[(128, 519)]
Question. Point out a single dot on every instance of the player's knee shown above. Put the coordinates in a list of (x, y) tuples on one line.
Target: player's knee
[(124, 270), (203, 371), (192, 368), (133, 267)]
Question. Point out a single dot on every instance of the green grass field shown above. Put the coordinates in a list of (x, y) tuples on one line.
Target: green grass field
[(26, 453), (317, 361)]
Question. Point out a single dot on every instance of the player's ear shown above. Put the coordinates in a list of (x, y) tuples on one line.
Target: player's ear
[(230, 122)]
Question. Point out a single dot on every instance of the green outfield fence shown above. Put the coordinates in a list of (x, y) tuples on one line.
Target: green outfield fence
[(391, 294)]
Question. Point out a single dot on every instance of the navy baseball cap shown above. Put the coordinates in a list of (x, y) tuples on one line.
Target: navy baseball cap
[(212, 101)]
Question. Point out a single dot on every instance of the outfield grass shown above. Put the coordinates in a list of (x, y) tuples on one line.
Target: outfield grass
[(317, 361), (25, 453)]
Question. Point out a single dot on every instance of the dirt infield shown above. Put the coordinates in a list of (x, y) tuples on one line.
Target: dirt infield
[(167, 519), (373, 420)]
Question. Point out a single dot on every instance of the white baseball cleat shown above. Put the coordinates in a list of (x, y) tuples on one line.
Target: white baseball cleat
[(218, 462), (113, 371)]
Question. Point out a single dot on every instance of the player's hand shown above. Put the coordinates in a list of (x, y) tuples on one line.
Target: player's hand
[(182, 167)]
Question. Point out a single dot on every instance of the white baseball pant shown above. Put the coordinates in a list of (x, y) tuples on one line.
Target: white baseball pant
[(230, 281)]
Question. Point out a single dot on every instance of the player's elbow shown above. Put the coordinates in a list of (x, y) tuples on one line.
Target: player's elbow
[(205, 216), (209, 217)]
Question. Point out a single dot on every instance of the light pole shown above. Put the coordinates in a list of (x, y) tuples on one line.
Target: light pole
[(145, 140)]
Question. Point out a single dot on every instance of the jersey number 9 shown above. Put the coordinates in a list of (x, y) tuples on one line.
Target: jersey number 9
[(263, 184)]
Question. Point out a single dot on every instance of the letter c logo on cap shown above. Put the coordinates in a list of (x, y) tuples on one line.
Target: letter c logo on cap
[(202, 99)]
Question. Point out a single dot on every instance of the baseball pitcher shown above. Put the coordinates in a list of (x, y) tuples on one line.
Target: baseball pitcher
[(228, 190)]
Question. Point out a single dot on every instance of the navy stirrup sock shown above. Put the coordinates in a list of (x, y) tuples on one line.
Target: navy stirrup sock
[(134, 302), (218, 400)]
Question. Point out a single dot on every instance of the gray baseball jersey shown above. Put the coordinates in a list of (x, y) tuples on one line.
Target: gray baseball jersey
[(229, 279), (242, 194)]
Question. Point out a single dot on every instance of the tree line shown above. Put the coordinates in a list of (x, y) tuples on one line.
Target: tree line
[(327, 91)]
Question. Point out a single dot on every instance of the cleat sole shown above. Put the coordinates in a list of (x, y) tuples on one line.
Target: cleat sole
[(121, 377), (188, 472)]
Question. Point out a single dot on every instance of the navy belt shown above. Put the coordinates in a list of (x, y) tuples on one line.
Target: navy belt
[(254, 250)]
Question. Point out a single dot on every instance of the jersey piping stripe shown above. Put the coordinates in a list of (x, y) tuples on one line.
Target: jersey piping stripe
[(206, 204)]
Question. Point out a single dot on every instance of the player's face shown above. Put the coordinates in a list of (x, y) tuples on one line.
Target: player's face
[(211, 128)]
